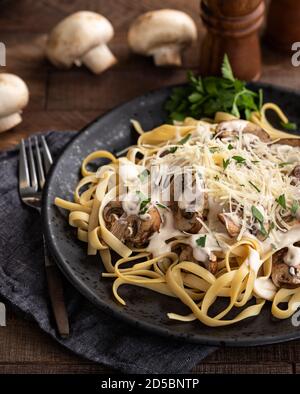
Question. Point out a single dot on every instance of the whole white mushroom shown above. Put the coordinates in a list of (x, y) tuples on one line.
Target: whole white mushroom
[(14, 97), (162, 34), (81, 38)]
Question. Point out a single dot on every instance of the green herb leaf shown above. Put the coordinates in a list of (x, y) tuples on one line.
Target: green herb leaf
[(289, 126), (255, 187), (184, 139), (173, 149), (229, 147), (295, 207), (226, 163), (286, 163), (257, 214), (239, 159), (226, 69), (144, 206), (201, 241), (213, 149), (281, 201)]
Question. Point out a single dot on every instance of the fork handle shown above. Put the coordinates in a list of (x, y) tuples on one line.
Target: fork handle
[(56, 294)]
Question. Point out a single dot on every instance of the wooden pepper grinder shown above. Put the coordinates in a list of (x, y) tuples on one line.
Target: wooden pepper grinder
[(283, 24), (232, 28)]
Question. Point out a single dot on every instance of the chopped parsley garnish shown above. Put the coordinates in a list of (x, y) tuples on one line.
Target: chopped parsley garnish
[(257, 214), (144, 201), (201, 241), (285, 163), (255, 187), (281, 201), (239, 159), (295, 207), (255, 161), (229, 147), (213, 149), (226, 163), (181, 142), (144, 206), (289, 126)]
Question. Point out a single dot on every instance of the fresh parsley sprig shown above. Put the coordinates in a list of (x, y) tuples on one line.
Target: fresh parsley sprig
[(203, 97)]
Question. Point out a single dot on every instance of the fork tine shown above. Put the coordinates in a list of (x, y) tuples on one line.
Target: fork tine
[(46, 155), (32, 169), (39, 163), (24, 180)]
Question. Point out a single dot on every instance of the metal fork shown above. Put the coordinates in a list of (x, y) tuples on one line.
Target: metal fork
[(33, 167)]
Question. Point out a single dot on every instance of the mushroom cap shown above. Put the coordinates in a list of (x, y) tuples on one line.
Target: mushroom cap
[(159, 28), (14, 94), (76, 35)]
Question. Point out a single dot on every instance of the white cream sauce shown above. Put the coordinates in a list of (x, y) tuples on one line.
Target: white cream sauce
[(158, 244), (203, 254)]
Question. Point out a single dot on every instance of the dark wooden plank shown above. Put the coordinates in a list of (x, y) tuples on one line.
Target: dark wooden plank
[(36, 121), (41, 16), (277, 353), (58, 368), (249, 368), (106, 90)]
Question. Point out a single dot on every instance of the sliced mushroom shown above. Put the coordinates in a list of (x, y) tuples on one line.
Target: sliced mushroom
[(185, 253), (131, 228), (296, 172), (162, 34), (82, 38), (233, 127), (284, 275), (188, 220), (232, 228)]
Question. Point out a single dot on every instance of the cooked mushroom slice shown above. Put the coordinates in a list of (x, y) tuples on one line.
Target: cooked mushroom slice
[(295, 142), (81, 38), (188, 219), (162, 34), (233, 127), (284, 275), (185, 253), (131, 228), (296, 172), (232, 228), (13, 98), (140, 230)]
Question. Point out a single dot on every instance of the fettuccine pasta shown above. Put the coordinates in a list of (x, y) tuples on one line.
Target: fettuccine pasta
[(200, 210)]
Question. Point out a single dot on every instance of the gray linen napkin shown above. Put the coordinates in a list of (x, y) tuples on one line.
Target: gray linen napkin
[(94, 334)]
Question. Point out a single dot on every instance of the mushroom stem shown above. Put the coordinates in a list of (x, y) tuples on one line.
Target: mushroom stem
[(168, 55), (10, 121), (99, 59)]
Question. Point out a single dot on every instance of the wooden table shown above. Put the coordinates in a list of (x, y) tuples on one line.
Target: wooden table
[(65, 100)]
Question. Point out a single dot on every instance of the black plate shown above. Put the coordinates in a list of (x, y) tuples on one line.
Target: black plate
[(144, 308)]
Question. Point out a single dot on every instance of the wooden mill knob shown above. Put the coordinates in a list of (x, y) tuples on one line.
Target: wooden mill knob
[(283, 24), (232, 28)]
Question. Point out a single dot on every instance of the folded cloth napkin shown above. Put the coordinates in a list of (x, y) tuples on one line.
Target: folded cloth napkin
[(94, 334)]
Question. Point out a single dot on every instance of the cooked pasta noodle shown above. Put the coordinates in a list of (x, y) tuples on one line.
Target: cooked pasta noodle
[(241, 239)]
